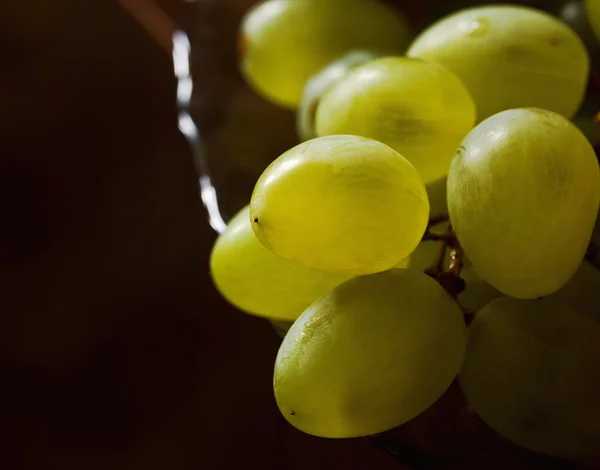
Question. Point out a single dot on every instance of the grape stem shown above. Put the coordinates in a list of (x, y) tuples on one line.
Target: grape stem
[(449, 276)]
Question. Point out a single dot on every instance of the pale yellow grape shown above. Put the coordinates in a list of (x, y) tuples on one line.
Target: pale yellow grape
[(523, 194), (320, 84), (592, 8), (510, 57), (420, 109), (286, 42), (257, 281), (342, 204), (371, 355), (532, 373)]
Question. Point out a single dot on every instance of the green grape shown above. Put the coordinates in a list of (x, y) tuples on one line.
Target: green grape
[(320, 84), (343, 204), (286, 42), (592, 8), (523, 194), (582, 291), (510, 57), (258, 281), (419, 109), (371, 355), (532, 373)]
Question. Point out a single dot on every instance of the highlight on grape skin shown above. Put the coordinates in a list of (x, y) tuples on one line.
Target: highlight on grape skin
[(369, 356), (342, 204), (259, 282), (320, 84), (532, 373), (420, 109), (510, 57), (286, 42), (523, 195)]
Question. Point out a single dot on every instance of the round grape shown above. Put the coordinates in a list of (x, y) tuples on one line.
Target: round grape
[(523, 195), (532, 373), (259, 282), (510, 57), (343, 204), (286, 42), (419, 109), (371, 355)]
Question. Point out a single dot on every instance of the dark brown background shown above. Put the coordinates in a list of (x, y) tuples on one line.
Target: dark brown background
[(115, 350)]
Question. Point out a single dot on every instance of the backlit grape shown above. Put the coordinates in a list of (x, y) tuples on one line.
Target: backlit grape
[(343, 204), (257, 281), (509, 57), (419, 109), (523, 195), (286, 42), (532, 373)]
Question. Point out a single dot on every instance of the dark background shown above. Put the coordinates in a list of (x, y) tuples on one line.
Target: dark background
[(115, 350)]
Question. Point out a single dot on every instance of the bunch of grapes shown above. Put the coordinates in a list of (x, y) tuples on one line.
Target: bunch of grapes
[(437, 222)]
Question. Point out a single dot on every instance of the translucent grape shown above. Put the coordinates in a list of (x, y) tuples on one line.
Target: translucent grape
[(510, 57), (257, 281), (532, 373), (419, 109), (286, 42), (369, 356), (343, 204), (523, 194), (320, 84)]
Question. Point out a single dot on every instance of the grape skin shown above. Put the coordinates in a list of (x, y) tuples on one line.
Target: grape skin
[(371, 355), (259, 282), (342, 204), (532, 373), (286, 42), (510, 57), (320, 84), (419, 109), (523, 194)]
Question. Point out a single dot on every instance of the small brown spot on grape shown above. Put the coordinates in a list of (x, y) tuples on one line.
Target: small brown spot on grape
[(554, 41), (293, 413), (255, 220)]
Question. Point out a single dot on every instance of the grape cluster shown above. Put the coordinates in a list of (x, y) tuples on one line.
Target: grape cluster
[(437, 221)]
